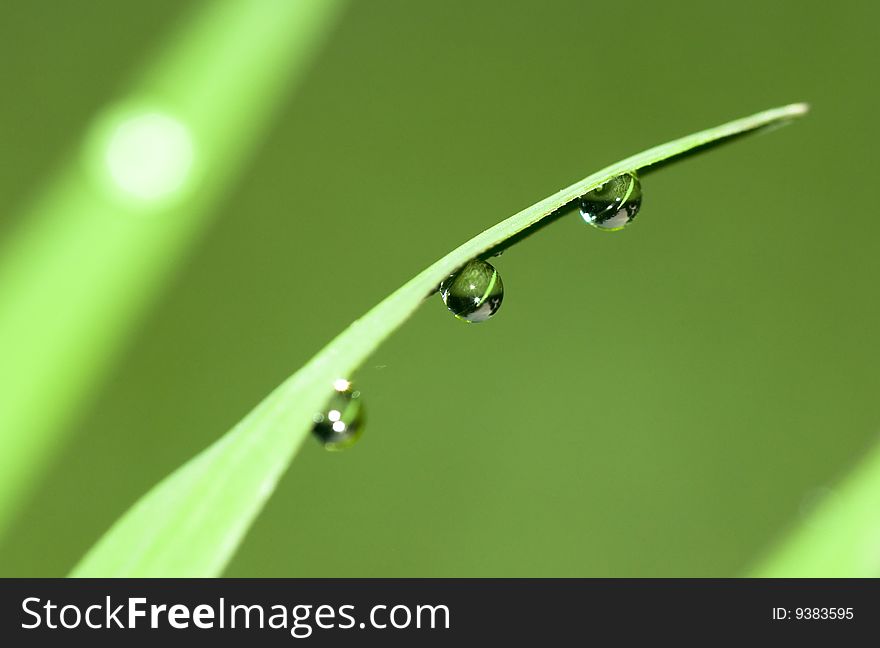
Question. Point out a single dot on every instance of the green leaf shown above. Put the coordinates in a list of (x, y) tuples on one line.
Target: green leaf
[(193, 521), (102, 237), (840, 538)]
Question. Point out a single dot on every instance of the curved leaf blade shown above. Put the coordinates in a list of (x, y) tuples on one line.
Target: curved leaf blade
[(191, 523)]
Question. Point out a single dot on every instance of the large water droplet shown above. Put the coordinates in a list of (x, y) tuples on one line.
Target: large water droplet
[(474, 293), (340, 425), (613, 205)]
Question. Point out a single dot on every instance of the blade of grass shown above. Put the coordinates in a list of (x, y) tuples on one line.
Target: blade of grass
[(98, 243), (841, 537), (192, 522)]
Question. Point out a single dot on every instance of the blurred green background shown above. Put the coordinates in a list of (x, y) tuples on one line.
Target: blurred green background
[(666, 401)]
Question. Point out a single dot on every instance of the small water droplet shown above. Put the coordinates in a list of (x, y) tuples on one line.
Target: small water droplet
[(341, 422), (474, 293), (613, 205)]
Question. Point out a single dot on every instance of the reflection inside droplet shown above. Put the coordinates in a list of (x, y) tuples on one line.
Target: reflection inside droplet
[(473, 293), (613, 205), (340, 424)]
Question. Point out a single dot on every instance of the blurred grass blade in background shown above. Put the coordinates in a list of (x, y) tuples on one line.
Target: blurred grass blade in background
[(104, 234), (193, 521), (841, 537)]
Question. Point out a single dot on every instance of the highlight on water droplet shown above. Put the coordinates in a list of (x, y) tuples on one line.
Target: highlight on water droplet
[(142, 154), (613, 205), (340, 424), (473, 293)]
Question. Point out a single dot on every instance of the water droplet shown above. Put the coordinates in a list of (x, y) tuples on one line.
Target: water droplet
[(474, 293), (613, 205), (340, 424)]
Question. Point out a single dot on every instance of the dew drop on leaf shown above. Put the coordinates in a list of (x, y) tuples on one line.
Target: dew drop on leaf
[(341, 422), (474, 292), (613, 205)]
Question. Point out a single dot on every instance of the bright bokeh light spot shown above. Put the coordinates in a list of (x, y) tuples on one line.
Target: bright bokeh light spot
[(341, 384), (149, 155), (339, 426)]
